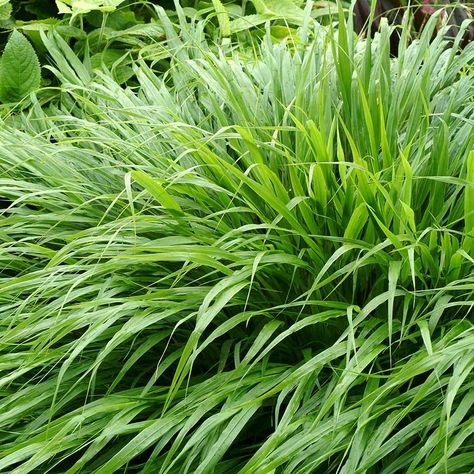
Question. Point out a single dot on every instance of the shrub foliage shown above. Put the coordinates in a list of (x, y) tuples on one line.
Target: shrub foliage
[(254, 263)]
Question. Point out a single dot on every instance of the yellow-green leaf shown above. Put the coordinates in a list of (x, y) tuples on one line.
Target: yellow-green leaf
[(20, 71)]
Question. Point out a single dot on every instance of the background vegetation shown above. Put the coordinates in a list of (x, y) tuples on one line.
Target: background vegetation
[(245, 254)]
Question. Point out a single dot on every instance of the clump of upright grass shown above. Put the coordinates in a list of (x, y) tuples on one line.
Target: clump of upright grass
[(250, 265)]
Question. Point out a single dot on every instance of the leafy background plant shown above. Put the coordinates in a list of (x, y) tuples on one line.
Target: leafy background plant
[(19, 69), (113, 33)]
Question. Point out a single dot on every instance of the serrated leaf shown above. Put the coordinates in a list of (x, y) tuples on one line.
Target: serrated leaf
[(7, 24), (63, 8), (20, 71), (5, 11), (286, 9), (268, 10)]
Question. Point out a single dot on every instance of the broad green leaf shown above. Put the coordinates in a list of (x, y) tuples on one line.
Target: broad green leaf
[(20, 71), (63, 7), (5, 11), (111, 59), (81, 7), (268, 10), (247, 22), (107, 58), (281, 32), (286, 9)]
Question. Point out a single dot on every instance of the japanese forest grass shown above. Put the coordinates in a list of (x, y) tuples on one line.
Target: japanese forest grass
[(252, 264)]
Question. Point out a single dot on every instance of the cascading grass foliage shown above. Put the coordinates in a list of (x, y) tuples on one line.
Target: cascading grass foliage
[(252, 264)]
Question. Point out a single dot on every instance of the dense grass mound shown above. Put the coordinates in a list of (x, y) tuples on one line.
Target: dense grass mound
[(253, 264)]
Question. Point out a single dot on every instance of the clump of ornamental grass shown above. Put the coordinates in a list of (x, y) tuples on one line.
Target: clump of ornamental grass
[(251, 264)]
